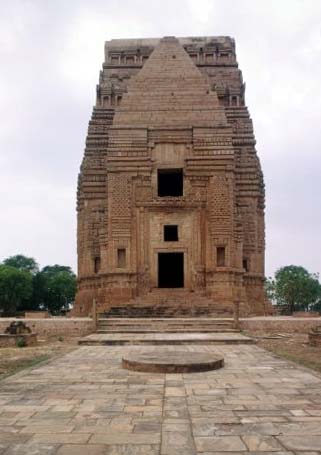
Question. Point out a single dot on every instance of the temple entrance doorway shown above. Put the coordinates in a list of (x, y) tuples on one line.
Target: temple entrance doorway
[(170, 270)]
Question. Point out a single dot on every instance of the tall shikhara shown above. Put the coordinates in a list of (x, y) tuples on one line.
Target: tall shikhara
[(170, 193)]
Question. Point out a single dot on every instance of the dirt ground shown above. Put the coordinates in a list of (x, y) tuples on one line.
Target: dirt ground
[(291, 346), (13, 360)]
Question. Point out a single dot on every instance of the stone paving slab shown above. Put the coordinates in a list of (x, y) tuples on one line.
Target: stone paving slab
[(85, 403), (110, 339)]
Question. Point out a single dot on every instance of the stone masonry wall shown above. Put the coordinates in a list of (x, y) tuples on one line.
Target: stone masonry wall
[(282, 324), (170, 104), (54, 326)]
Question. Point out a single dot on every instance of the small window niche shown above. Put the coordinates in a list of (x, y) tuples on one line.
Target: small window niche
[(246, 264), (234, 101), (97, 264), (130, 59), (220, 256), (170, 182), (121, 258), (170, 233)]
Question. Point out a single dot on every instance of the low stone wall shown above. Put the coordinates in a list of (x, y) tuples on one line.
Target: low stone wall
[(54, 326), (83, 326), (287, 324), (306, 314), (37, 315)]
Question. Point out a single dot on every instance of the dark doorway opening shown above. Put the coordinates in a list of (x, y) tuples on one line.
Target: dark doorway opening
[(246, 265), (170, 182), (170, 233), (170, 270), (220, 256)]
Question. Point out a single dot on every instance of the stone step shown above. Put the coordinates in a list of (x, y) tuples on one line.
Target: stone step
[(165, 325), (125, 321), (154, 311), (172, 326), (168, 330), (170, 304), (146, 315), (111, 339)]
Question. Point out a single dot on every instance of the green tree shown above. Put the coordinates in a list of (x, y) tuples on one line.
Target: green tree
[(296, 288), (27, 264), (21, 262), (270, 289), (15, 287), (58, 287)]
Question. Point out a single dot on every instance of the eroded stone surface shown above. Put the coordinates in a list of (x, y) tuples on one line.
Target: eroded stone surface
[(172, 362), (171, 104)]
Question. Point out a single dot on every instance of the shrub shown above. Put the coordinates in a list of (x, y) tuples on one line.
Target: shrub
[(21, 342)]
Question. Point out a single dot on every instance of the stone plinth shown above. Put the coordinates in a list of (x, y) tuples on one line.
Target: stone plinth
[(172, 362), (157, 339)]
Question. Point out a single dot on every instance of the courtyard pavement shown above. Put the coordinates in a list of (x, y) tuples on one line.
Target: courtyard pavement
[(85, 403)]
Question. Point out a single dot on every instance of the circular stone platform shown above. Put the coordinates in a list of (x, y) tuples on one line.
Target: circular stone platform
[(172, 362)]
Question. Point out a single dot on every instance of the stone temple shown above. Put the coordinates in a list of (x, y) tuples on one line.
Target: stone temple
[(170, 192)]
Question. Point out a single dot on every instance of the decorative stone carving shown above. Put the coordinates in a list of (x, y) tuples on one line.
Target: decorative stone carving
[(171, 104)]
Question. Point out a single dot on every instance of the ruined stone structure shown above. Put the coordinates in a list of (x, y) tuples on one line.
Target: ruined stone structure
[(171, 193)]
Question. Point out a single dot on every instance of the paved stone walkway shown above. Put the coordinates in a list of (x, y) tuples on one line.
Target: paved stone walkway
[(84, 403)]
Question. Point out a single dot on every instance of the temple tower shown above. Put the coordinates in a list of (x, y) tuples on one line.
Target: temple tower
[(170, 192)]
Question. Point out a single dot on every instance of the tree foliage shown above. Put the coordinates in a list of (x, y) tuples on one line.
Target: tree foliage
[(24, 287), (295, 288), (58, 285), (21, 262), (15, 287)]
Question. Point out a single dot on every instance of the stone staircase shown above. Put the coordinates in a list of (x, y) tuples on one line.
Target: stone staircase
[(165, 325), (173, 303), (166, 317)]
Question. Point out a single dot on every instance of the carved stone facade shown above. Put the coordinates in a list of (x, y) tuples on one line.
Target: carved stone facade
[(170, 152)]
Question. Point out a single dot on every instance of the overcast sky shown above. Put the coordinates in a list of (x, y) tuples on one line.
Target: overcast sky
[(51, 52)]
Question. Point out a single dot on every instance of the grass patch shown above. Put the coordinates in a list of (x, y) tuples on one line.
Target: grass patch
[(294, 347), (300, 358), (7, 368)]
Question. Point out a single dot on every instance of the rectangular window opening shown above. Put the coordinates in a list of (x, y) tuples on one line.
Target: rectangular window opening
[(97, 264), (220, 256), (121, 258), (246, 265), (170, 233), (234, 101), (170, 182)]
